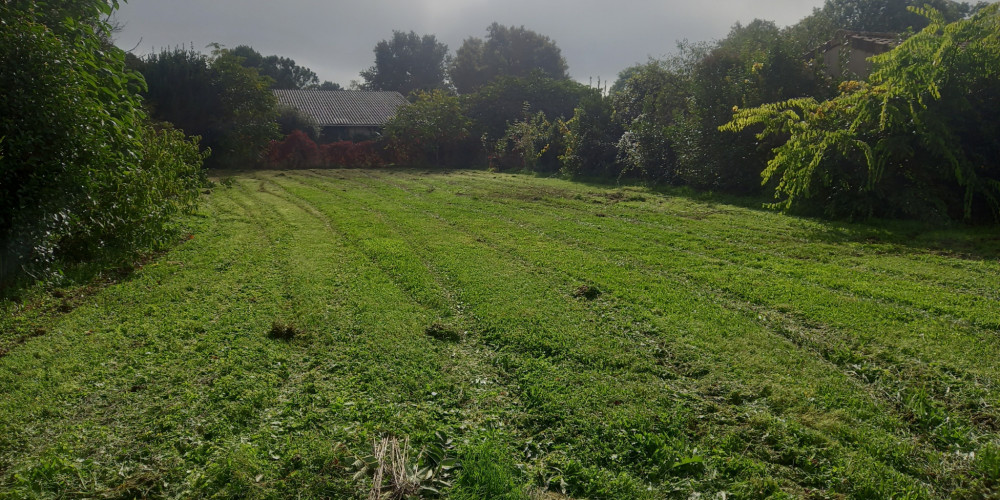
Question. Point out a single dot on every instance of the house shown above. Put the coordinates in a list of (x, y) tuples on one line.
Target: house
[(354, 115), (847, 54)]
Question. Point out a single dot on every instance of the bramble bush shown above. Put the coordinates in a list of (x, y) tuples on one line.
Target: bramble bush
[(84, 174)]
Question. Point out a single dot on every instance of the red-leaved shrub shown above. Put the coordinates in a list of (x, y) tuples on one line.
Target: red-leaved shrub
[(299, 151), (296, 151), (352, 154)]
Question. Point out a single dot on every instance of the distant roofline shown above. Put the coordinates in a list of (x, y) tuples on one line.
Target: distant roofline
[(344, 108), (874, 41)]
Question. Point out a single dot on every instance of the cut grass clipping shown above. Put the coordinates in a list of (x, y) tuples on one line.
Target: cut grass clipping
[(444, 332), (283, 331)]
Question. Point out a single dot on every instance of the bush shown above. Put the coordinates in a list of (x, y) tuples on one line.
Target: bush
[(590, 139), (352, 154), (523, 145), (299, 151), (495, 106), (291, 119), (431, 130), (918, 139), (83, 173)]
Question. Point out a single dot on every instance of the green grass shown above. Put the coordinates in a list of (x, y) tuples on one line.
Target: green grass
[(568, 339)]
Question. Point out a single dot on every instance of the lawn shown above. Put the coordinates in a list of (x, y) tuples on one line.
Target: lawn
[(505, 336)]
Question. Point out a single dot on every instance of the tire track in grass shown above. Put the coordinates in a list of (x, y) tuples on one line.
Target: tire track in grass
[(395, 202), (679, 227), (423, 287), (926, 373), (523, 246), (129, 324), (498, 325)]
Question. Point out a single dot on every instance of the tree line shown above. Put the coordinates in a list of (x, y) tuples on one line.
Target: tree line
[(913, 140), (100, 150)]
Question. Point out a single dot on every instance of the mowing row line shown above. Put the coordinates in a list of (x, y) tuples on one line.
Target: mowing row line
[(391, 202)]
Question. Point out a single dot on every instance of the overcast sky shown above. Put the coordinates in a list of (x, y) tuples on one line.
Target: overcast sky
[(335, 38)]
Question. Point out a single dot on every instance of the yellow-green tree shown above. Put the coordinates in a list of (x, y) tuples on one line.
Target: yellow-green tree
[(919, 138)]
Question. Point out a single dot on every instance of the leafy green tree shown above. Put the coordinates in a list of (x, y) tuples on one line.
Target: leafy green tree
[(328, 85), (590, 139), (247, 121), (670, 110), (919, 138), (524, 144), (83, 174), (869, 15), (507, 51), (282, 71), (889, 15), (647, 100), (407, 62), (751, 66), (215, 97), (502, 102), (431, 129)]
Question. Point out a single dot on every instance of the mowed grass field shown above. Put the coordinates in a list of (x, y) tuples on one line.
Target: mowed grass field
[(513, 337)]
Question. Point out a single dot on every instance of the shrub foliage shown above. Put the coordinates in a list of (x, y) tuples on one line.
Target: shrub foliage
[(297, 150), (920, 135), (83, 173)]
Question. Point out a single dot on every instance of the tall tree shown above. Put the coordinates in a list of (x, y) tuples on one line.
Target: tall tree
[(282, 70), (229, 105), (328, 85), (507, 51), (407, 62), (871, 15), (917, 139)]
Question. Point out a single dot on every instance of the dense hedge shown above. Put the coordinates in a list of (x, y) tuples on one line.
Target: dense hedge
[(83, 173), (297, 150)]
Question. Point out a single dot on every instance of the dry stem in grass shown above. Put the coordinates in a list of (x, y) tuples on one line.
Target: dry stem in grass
[(391, 461)]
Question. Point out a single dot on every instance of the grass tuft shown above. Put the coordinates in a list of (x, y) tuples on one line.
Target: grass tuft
[(589, 292), (283, 331), (443, 332)]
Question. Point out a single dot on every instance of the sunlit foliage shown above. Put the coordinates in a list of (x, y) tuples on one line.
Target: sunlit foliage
[(83, 174), (918, 138)]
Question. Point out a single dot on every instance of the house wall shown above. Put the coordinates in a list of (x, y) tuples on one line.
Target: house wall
[(849, 59), (354, 134)]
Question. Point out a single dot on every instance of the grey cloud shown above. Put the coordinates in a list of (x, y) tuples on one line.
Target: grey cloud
[(598, 37)]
